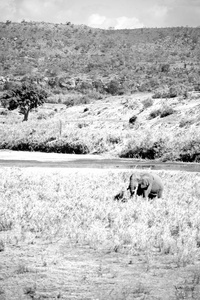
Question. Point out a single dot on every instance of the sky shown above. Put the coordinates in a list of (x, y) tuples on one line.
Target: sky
[(118, 14)]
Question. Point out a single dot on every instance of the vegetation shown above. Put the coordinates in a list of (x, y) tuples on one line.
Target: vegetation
[(49, 227), (25, 97), (68, 57), (164, 111), (159, 131), (132, 119)]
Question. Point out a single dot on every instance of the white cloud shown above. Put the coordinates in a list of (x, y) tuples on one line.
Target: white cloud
[(8, 9), (124, 22), (98, 21), (149, 13)]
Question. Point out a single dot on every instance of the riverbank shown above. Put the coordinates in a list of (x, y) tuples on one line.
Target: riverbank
[(136, 126)]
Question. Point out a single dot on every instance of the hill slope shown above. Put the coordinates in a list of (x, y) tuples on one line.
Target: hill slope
[(135, 126), (140, 59)]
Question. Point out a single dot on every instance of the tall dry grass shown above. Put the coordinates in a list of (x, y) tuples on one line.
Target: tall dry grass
[(78, 206)]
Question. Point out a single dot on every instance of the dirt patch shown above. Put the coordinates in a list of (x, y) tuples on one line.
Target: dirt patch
[(61, 271)]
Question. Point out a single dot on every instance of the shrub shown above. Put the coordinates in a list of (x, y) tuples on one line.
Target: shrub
[(165, 68), (132, 119), (52, 145), (76, 100), (154, 113), (3, 112), (82, 125), (94, 95), (171, 92), (42, 116), (185, 122), (98, 85), (197, 87), (63, 146), (166, 111), (144, 150), (114, 88), (112, 139), (160, 93), (147, 103), (190, 151), (162, 112), (85, 109)]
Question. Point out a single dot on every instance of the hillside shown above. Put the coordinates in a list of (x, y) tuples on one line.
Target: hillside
[(136, 126), (65, 57)]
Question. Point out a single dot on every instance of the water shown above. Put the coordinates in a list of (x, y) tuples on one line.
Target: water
[(116, 163)]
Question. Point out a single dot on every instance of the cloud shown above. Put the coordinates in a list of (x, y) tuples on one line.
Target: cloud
[(133, 13), (8, 9), (98, 21), (130, 23)]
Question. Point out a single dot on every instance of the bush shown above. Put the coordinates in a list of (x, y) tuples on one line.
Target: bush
[(57, 146), (76, 100), (112, 139), (132, 120), (171, 92), (160, 93), (145, 150), (94, 95), (165, 68), (162, 112), (155, 113), (166, 111), (147, 103), (4, 112), (190, 151), (185, 122), (114, 88)]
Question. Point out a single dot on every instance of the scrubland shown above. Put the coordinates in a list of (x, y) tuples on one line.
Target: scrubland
[(116, 61), (62, 235), (134, 126)]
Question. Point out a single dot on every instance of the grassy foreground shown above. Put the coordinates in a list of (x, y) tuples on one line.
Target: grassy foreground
[(59, 210)]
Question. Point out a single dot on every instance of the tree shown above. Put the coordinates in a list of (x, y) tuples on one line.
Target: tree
[(25, 97)]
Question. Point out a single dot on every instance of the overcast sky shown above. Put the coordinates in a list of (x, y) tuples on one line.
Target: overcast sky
[(105, 13)]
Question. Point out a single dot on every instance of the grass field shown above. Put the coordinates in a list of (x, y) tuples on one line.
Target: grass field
[(63, 236)]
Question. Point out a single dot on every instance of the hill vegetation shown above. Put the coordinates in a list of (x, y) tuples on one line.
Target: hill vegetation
[(71, 57)]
